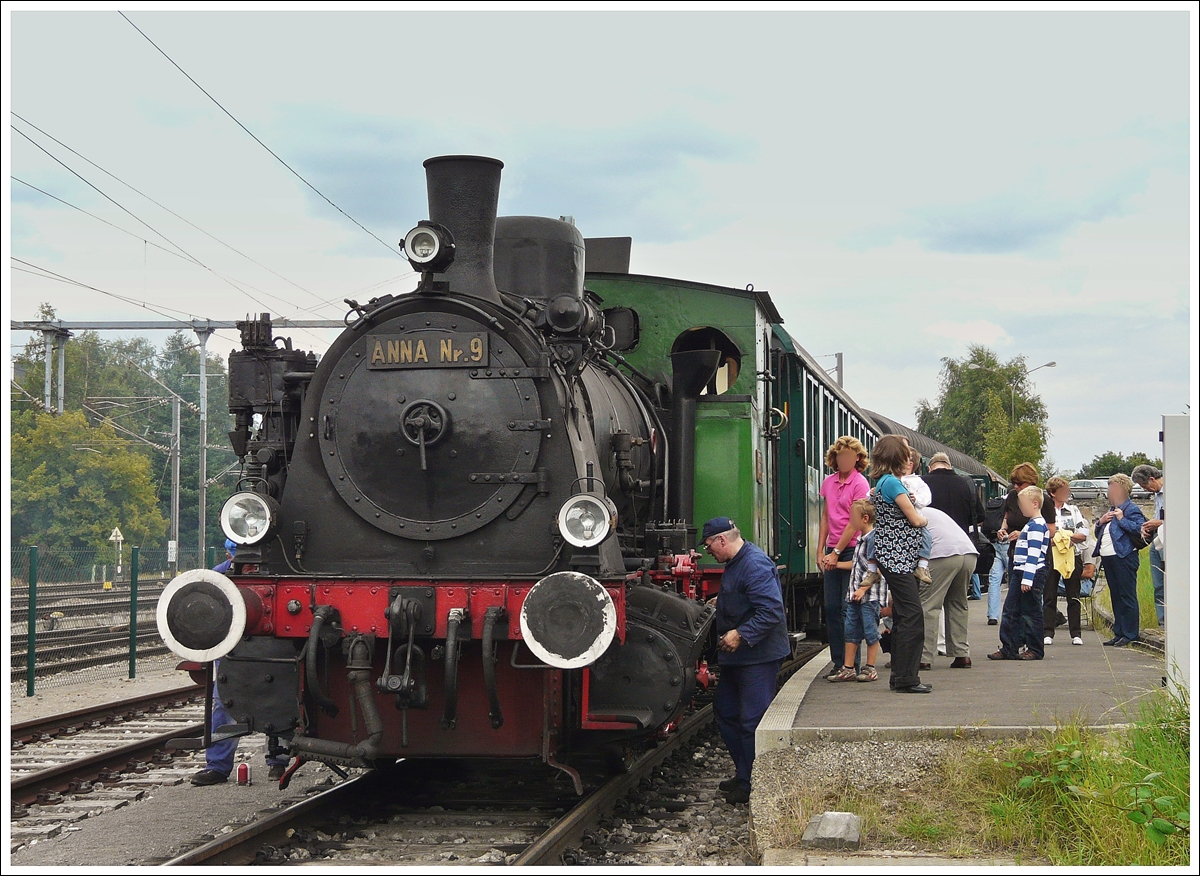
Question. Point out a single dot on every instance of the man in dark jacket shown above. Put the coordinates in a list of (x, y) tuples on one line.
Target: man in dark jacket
[(753, 641), (955, 495)]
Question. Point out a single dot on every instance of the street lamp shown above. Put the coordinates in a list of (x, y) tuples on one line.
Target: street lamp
[(975, 366)]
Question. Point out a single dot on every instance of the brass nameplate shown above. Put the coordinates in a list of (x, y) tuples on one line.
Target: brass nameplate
[(428, 350)]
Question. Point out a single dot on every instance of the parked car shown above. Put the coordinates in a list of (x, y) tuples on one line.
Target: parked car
[(1091, 488)]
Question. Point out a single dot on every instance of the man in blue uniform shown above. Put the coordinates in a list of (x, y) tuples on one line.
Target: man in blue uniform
[(753, 641), (218, 757)]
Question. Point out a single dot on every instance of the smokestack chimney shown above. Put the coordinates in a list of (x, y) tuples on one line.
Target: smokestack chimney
[(463, 194)]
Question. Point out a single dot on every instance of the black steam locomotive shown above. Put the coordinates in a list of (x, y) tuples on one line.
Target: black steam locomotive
[(466, 531)]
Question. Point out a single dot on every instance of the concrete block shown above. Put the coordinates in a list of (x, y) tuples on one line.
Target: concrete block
[(833, 830)]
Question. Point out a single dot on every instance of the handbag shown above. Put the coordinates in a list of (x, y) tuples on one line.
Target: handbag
[(987, 552)]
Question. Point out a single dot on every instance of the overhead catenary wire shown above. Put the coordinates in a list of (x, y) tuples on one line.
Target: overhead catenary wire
[(163, 207), (47, 274), (132, 234), (321, 194), (190, 257)]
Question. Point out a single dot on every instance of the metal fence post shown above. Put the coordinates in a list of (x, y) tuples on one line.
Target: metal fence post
[(133, 611), (31, 631), (212, 558)]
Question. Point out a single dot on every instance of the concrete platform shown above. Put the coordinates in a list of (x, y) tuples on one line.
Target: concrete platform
[(1098, 685)]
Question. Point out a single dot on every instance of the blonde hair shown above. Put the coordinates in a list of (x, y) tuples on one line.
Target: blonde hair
[(863, 506), (1124, 481), (1055, 484), (1025, 473), (1033, 494), (846, 442)]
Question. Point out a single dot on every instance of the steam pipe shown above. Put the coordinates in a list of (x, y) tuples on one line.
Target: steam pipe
[(691, 371), (320, 614), (450, 716), (490, 619), (359, 676)]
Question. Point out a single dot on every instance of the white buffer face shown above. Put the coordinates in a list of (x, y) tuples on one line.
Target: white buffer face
[(568, 620), (201, 615)]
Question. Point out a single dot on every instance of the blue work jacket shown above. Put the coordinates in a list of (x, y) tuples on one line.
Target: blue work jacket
[(1133, 521), (751, 601)]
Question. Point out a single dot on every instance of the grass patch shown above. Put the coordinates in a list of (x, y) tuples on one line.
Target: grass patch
[(1073, 796)]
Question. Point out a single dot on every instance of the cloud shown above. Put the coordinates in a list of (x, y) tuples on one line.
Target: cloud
[(645, 178), (1030, 197), (978, 331)]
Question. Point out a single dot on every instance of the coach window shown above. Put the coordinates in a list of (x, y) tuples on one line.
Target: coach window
[(709, 338)]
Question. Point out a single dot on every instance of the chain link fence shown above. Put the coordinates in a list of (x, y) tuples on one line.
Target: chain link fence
[(87, 615)]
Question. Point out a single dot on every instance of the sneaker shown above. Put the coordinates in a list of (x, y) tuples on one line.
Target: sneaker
[(993, 621), (209, 777), (1048, 641), (846, 673), (868, 674), (922, 575), (870, 579), (1077, 641)]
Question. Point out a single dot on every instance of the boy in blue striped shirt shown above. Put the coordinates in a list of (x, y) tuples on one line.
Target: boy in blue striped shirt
[(1021, 618)]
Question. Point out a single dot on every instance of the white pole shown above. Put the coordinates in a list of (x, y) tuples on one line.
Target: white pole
[(1178, 539), (203, 334), (175, 482)]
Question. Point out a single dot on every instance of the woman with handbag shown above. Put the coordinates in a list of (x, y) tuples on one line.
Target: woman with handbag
[(1074, 529), (1118, 540)]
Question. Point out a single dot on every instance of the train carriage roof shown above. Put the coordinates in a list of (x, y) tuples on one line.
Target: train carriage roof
[(791, 345), (762, 299), (928, 447)]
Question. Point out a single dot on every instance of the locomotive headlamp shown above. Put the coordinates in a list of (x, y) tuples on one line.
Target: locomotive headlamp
[(247, 518), (429, 247), (586, 520)]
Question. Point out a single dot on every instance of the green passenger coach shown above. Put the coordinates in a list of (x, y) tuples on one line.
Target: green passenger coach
[(762, 423)]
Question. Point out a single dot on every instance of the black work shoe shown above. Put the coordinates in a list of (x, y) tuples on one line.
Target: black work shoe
[(915, 688), (730, 784), (209, 777), (738, 795)]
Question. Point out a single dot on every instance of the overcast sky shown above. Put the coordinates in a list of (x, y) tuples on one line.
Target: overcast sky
[(902, 183)]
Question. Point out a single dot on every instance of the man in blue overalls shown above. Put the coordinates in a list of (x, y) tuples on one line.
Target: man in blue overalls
[(218, 757), (753, 641)]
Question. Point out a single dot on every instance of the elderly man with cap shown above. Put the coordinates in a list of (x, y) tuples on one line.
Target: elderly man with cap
[(753, 641), (956, 496)]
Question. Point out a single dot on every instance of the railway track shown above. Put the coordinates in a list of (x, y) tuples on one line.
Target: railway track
[(451, 813), (103, 757)]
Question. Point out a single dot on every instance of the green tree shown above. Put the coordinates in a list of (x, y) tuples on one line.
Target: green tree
[(73, 482), (127, 383), (1111, 462), (971, 389), (1006, 447)]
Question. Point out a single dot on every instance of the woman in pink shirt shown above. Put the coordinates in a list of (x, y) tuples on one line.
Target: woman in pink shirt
[(839, 491)]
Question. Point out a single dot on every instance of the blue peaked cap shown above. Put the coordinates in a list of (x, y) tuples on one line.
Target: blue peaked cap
[(714, 527)]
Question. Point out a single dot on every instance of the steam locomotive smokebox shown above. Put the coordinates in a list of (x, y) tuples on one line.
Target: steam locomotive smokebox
[(651, 677)]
